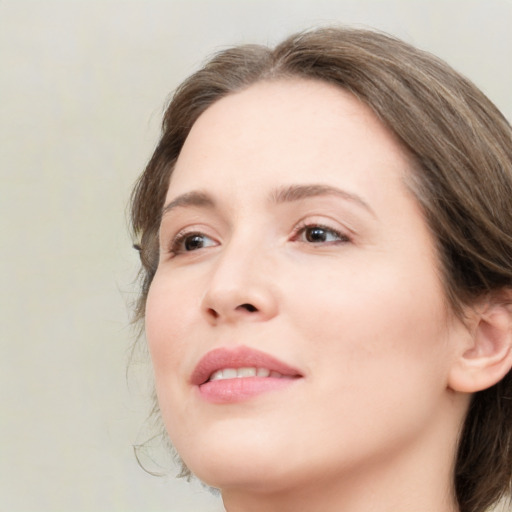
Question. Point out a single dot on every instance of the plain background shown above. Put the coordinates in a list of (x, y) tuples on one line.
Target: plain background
[(82, 87)]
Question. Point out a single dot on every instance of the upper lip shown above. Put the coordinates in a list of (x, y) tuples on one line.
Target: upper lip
[(239, 357)]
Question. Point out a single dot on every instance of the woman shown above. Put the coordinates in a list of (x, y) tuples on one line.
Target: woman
[(326, 237)]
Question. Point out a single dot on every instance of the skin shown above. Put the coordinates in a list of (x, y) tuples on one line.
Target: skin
[(356, 306)]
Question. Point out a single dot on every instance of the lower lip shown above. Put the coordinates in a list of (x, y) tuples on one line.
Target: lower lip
[(224, 391)]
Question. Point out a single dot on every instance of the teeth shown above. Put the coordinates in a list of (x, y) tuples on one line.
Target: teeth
[(246, 372), (238, 373), (229, 373)]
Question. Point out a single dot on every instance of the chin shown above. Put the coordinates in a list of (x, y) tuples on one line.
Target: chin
[(232, 463), (232, 475)]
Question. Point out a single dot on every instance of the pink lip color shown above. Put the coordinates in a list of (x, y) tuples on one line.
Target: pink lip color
[(239, 389)]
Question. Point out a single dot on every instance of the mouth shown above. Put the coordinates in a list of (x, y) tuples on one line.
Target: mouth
[(232, 375), (244, 373)]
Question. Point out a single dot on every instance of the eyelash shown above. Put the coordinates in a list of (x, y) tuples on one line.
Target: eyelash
[(302, 228), (176, 246)]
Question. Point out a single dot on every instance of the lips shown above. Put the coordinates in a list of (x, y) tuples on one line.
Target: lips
[(240, 357), (231, 375)]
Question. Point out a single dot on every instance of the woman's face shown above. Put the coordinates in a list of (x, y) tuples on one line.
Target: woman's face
[(290, 244)]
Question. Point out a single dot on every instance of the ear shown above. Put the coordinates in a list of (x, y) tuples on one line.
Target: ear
[(485, 356)]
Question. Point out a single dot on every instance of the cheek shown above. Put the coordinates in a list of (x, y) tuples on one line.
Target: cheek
[(375, 325), (159, 313), (378, 356), (168, 322), (169, 304)]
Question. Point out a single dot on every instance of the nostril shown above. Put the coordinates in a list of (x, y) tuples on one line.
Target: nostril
[(213, 312), (248, 307)]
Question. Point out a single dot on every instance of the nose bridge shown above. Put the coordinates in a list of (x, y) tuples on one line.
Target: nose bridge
[(240, 283)]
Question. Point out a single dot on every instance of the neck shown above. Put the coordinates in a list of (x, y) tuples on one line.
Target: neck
[(376, 492)]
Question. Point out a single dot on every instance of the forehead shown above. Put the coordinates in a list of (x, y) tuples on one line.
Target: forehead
[(288, 131)]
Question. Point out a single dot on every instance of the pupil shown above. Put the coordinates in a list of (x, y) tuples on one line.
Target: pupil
[(315, 235), (194, 242)]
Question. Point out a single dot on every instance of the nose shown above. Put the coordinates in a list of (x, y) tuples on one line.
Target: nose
[(240, 288)]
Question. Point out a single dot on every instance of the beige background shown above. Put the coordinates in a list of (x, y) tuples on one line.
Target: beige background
[(82, 85)]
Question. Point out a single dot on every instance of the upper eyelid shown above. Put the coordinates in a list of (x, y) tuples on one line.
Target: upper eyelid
[(327, 222), (192, 229), (180, 215), (341, 233), (181, 236), (167, 233)]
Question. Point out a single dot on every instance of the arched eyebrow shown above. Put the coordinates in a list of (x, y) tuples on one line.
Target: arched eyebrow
[(194, 198), (299, 192), (281, 195)]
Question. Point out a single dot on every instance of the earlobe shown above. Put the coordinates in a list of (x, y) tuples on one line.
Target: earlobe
[(487, 358)]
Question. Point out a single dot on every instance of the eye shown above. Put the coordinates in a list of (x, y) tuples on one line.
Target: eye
[(186, 242), (318, 234)]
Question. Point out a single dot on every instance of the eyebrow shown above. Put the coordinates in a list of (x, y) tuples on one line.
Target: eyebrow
[(299, 192), (281, 195), (194, 198)]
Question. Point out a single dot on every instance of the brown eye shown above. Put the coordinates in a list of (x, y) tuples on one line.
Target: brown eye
[(187, 242), (191, 243), (315, 234), (321, 234)]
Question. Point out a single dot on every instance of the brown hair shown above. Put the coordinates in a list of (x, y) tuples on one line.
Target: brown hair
[(462, 178)]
